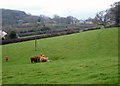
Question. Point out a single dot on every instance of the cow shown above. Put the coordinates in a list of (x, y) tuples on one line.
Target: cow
[(44, 59), (40, 58), (34, 59)]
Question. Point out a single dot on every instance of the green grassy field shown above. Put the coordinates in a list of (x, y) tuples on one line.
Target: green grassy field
[(84, 58)]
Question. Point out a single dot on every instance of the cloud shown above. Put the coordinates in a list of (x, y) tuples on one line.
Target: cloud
[(60, 7)]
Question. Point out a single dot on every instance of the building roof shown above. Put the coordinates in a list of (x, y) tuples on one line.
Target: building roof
[(2, 33)]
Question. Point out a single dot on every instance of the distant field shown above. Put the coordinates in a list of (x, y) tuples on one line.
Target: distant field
[(84, 58)]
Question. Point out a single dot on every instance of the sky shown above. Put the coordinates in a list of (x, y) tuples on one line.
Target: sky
[(81, 9)]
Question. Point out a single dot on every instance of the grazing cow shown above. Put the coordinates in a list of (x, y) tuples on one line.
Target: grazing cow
[(40, 58), (44, 59), (33, 59)]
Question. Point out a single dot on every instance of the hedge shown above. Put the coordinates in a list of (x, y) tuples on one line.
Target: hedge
[(52, 34)]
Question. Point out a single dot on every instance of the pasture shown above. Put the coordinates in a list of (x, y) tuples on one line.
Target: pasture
[(89, 57)]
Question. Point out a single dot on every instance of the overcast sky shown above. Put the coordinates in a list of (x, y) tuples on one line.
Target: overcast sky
[(80, 9)]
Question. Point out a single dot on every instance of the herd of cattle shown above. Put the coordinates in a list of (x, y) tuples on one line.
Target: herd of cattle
[(34, 59), (40, 58)]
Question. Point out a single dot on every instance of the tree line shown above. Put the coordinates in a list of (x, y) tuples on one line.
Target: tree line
[(14, 17), (19, 19), (110, 16)]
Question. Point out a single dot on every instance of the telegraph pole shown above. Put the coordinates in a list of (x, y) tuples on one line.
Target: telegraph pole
[(35, 39), (36, 26)]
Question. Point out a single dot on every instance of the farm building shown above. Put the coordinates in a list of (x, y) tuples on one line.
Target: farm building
[(2, 34)]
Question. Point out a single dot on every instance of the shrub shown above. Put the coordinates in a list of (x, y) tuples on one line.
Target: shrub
[(12, 35)]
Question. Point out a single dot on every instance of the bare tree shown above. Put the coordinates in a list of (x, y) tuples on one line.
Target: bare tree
[(102, 18)]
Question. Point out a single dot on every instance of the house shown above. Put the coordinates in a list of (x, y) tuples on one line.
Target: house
[(2, 34)]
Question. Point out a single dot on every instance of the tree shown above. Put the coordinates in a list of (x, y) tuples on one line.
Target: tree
[(12, 35), (115, 12), (110, 16), (102, 18), (69, 20), (57, 18), (39, 19)]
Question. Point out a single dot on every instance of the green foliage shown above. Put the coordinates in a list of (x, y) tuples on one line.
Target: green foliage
[(85, 58), (115, 11), (12, 35), (109, 17)]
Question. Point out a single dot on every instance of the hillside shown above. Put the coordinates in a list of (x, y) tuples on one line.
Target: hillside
[(22, 22), (83, 58), (12, 17)]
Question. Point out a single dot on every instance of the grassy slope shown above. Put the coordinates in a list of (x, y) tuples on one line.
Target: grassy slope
[(85, 58)]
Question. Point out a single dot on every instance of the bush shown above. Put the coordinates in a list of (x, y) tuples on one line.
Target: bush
[(45, 29), (47, 35), (12, 35)]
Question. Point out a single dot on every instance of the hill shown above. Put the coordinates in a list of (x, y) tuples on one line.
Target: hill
[(16, 17), (22, 22), (83, 58)]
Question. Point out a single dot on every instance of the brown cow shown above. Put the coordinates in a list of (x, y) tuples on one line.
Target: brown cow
[(40, 58), (34, 59), (44, 59)]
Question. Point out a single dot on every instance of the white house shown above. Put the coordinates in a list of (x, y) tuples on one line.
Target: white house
[(2, 34)]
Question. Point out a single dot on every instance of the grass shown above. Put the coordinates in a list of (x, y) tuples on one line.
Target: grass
[(84, 58)]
